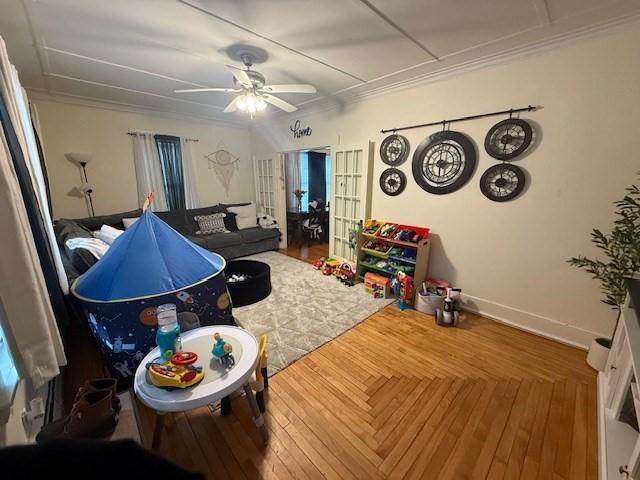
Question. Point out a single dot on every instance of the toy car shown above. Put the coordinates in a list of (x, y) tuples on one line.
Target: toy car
[(177, 372), (346, 274), (319, 263)]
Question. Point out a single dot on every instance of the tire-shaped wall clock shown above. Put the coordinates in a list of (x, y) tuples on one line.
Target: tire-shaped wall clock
[(394, 150), (508, 139), (502, 182), (393, 181), (444, 162)]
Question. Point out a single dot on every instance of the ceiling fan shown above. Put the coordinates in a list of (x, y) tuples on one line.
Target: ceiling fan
[(252, 93)]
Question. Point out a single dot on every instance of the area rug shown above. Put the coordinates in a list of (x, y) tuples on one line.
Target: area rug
[(305, 309)]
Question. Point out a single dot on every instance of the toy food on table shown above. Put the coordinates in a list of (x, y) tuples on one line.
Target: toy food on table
[(177, 372), (222, 351)]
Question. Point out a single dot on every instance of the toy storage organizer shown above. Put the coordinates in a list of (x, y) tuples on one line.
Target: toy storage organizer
[(410, 257)]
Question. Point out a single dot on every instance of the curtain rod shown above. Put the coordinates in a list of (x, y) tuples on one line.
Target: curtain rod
[(462, 119), (186, 139)]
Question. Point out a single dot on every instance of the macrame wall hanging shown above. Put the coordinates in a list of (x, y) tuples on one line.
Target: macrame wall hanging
[(223, 163)]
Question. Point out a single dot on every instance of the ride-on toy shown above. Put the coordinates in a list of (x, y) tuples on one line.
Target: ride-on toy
[(448, 316)]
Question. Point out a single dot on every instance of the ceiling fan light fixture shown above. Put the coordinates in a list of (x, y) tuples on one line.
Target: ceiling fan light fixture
[(250, 102)]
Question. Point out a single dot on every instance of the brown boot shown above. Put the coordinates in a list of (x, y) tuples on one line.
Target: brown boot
[(92, 416), (100, 384)]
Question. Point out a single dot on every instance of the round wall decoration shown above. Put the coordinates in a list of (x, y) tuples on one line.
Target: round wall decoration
[(502, 182), (393, 181), (508, 139), (444, 162), (394, 149)]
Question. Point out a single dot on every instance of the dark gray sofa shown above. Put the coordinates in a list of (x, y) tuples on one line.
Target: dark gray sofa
[(230, 245)]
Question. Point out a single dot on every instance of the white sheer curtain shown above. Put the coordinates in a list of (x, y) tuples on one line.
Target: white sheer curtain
[(189, 175), (148, 170), (292, 176), (26, 314)]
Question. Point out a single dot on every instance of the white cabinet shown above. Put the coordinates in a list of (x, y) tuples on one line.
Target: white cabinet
[(619, 402)]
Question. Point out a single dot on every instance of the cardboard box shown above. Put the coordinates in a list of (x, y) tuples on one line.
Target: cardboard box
[(377, 285)]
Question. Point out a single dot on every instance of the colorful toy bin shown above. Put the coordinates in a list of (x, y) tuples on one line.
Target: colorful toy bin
[(148, 265)]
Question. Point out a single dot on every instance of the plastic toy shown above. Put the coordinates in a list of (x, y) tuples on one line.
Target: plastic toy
[(387, 229), (435, 286), (371, 226), (448, 316), (319, 263), (329, 266), (222, 351), (262, 380), (376, 285), (346, 274), (177, 372), (403, 235), (402, 287)]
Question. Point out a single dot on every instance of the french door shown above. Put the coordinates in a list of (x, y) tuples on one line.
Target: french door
[(350, 197), (265, 191), (268, 174)]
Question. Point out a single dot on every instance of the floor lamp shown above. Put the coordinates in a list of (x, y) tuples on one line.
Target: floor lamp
[(84, 190)]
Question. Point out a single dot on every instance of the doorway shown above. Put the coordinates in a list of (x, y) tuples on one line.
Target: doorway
[(307, 176)]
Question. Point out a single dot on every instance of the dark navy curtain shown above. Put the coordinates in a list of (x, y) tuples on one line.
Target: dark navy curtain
[(317, 177), (172, 176), (36, 222)]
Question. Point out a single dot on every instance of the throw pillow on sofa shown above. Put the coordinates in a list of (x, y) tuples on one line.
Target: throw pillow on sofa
[(127, 222), (108, 234), (213, 223), (230, 222), (247, 216)]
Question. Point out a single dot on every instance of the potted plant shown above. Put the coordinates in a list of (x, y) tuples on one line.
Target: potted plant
[(621, 247)]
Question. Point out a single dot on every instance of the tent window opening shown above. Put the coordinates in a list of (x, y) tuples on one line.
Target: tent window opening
[(170, 156)]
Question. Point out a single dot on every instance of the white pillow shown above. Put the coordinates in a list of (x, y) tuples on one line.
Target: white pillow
[(246, 216), (127, 222), (108, 234)]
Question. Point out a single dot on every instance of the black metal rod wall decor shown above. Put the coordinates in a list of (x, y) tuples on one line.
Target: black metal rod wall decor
[(511, 111)]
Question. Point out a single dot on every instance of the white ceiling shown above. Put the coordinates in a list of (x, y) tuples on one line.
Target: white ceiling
[(136, 52)]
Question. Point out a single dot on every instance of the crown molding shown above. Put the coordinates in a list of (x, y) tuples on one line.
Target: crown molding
[(83, 101), (504, 57)]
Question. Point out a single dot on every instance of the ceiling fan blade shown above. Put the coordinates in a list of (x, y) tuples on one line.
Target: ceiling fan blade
[(278, 102), (190, 90), (294, 88), (233, 106), (241, 76)]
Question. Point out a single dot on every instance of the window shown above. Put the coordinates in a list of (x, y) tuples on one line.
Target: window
[(304, 179), (8, 374), (172, 175), (327, 173)]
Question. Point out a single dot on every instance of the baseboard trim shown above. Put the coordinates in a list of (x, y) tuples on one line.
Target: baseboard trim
[(530, 322)]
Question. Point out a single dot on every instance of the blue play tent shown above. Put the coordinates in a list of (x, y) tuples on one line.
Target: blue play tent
[(148, 265)]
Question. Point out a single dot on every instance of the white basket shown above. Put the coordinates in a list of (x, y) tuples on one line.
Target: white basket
[(428, 303)]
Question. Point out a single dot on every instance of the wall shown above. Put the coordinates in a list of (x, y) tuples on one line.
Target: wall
[(510, 258), (102, 132)]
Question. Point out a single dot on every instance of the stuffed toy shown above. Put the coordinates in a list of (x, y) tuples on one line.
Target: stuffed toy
[(267, 221)]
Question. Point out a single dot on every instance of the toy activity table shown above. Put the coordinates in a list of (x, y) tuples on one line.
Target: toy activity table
[(218, 381)]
